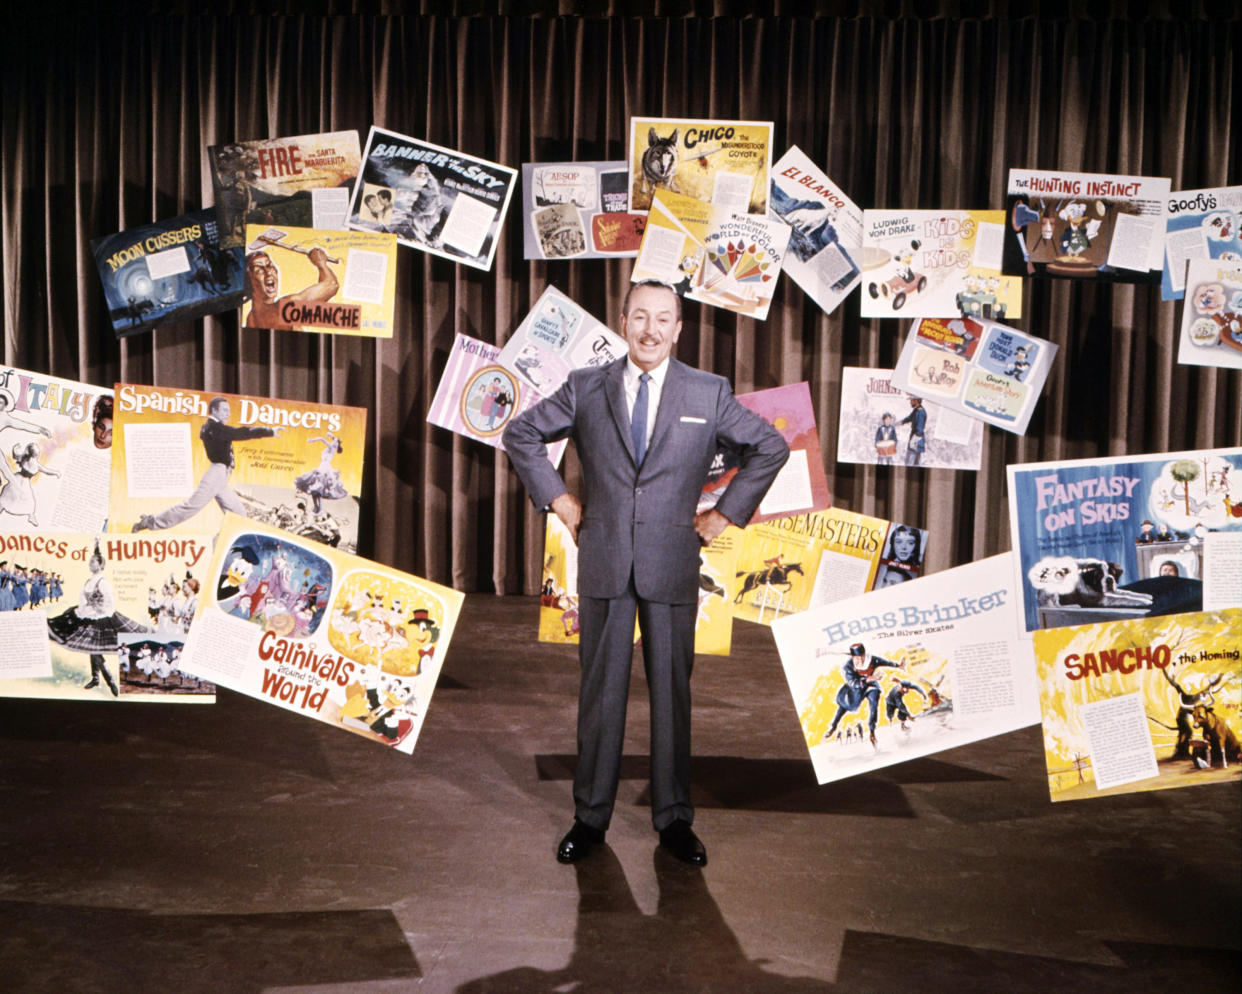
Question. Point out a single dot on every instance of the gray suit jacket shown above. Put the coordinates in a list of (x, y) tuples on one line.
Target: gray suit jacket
[(643, 518)]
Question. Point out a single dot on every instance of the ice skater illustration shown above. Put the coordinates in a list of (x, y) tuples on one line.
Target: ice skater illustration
[(861, 684)]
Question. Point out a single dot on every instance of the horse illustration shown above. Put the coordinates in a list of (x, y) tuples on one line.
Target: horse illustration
[(773, 576)]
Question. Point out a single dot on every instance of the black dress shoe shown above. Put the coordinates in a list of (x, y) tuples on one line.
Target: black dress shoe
[(679, 840), (578, 842)]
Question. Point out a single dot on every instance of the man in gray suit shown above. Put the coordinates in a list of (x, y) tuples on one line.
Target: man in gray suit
[(646, 429)]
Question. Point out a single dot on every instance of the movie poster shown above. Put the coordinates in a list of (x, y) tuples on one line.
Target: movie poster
[(578, 210), (882, 425), (909, 671), (477, 397), (303, 181), (1086, 226), (169, 271), (1141, 704), (100, 617), (182, 458), (725, 163), (321, 633), (432, 198), (555, 337), (307, 279), (711, 254), (788, 565), (801, 485), (1200, 226), (825, 243), (1127, 537), (936, 264), (1211, 331), (55, 453), (558, 597), (976, 367)]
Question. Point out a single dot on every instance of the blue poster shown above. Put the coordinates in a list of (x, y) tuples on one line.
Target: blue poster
[(1105, 540)]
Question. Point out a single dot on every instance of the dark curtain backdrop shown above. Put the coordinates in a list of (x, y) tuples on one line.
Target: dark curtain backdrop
[(105, 122)]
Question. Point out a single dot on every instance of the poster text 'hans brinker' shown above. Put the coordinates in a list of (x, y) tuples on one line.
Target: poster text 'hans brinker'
[(915, 617)]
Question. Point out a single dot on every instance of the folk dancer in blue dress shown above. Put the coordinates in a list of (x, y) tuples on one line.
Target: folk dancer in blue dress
[(7, 601)]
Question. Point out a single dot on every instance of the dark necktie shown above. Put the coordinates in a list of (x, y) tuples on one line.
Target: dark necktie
[(638, 420)]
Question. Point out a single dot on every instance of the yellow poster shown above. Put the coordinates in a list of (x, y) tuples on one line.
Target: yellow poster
[(313, 279), (322, 633), (1143, 704), (100, 617), (182, 458), (790, 564), (725, 163)]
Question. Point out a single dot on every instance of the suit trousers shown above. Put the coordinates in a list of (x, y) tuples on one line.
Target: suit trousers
[(605, 652)]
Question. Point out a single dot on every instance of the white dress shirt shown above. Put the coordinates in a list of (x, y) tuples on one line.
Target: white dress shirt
[(654, 388)]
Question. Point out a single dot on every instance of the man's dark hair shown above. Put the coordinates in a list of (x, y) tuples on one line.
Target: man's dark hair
[(625, 304)]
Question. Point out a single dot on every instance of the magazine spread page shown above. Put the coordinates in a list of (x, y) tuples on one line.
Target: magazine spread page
[(909, 670), (55, 452), (1085, 226), (100, 617), (977, 367), (477, 396), (182, 458), (1127, 537), (304, 181), (433, 199), (802, 484), (825, 242), (936, 264), (311, 279), (168, 271), (578, 210), (1200, 225), (883, 425), (1211, 330), (725, 163), (554, 338), (322, 633), (1141, 704)]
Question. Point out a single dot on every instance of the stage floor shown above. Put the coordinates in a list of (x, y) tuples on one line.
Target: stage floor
[(239, 848)]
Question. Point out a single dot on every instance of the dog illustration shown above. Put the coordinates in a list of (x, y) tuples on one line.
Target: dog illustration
[(660, 161), (1222, 742), (1084, 582)]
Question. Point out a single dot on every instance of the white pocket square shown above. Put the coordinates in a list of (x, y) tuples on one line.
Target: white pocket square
[(693, 420)]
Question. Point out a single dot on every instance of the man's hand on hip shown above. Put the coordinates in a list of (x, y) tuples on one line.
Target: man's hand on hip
[(567, 508), (709, 524)]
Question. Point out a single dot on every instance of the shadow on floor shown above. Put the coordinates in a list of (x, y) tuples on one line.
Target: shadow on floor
[(685, 945), (55, 947), (871, 961)]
